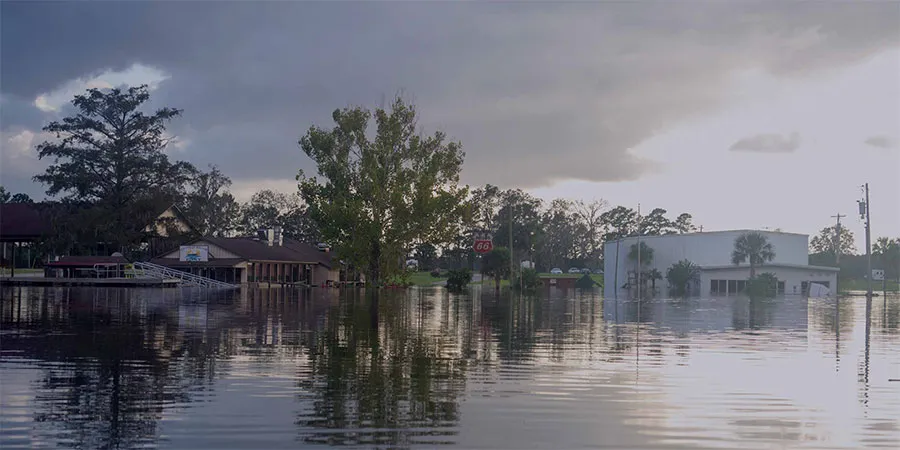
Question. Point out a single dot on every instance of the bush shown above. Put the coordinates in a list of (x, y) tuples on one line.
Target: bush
[(681, 275), (458, 279), (530, 281), (435, 273), (764, 285)]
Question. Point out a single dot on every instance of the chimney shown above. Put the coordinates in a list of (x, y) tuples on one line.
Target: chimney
[(270, 236), (279, 237)]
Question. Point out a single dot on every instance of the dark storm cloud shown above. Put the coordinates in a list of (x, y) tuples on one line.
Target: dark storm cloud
[(544, 91), (767, 143)]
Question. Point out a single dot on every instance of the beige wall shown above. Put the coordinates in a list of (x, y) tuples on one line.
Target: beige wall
[(169, 213), (322, 274)]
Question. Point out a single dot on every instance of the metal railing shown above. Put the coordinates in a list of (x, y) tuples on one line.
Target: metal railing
[(150, 270)]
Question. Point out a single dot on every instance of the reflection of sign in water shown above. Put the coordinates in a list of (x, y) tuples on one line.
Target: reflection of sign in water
[(877, 275), (194, 253)]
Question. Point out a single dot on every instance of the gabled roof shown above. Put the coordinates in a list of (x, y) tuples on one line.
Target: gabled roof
[(258, 250)]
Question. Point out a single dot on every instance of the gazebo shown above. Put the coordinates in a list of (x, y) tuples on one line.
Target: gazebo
[(19, 222)]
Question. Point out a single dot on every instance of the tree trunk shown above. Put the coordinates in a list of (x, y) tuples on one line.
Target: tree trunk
[(497, 282), (752, 271), (374, 264)]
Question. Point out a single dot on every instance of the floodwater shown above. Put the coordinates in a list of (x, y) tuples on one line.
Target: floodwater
[(265, 369)]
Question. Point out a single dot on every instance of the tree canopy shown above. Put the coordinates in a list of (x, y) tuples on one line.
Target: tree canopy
[(754, 248), (374, 199), (109, 155), (826, 241)]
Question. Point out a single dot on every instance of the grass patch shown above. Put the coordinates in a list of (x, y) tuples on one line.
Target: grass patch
[(855, 284), (20, 271), (424, 279)]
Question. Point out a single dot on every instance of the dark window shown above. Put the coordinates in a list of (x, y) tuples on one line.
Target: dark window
[(741, 285), (781, 287), (713, 286), (732, 286)]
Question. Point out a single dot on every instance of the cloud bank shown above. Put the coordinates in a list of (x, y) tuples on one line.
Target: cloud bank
[(767, 143), (545, 92)]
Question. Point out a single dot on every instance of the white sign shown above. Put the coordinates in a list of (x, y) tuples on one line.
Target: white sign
[(878, 274), (194, 253)]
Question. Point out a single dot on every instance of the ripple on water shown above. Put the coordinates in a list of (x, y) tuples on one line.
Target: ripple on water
[(281, 369)]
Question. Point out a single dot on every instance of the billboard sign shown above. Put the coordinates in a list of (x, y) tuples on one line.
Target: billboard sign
[(194, 253), (878, 274), (483, 243)]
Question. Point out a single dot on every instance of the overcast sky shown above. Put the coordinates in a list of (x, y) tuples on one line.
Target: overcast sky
[(747, 115)]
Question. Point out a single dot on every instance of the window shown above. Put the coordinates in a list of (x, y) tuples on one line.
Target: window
[(781, 287), (741, 285), (732, 286), (713, 286)]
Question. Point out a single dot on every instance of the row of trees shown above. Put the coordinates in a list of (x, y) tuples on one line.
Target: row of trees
[(834, 246)]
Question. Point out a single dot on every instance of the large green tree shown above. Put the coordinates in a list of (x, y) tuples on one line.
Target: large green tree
[(110, 156), (887, 251), (374, 199), (620, 222), (496, 265), (754, 248), (209, 205), (827, 241)]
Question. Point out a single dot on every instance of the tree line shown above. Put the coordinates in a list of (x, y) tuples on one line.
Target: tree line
[(383, 191)]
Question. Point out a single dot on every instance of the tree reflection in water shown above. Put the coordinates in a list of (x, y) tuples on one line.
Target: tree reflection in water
[(377, 378)]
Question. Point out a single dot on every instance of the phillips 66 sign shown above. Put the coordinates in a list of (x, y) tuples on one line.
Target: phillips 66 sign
[(483, 242)]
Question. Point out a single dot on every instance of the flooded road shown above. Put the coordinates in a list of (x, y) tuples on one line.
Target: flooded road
[(266, 369)]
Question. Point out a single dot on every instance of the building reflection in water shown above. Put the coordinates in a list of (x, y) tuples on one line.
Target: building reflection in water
[(392, 368)]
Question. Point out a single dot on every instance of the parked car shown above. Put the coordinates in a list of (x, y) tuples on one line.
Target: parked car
[(556, 270), (598, 271), (574, 270), (586, 271)]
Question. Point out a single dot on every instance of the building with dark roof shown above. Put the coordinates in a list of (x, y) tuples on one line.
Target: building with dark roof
[(270, 259)]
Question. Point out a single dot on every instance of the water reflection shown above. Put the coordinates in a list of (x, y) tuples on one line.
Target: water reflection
[(117, 368)]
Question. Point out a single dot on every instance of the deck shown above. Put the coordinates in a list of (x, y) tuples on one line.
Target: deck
[(99, 282)]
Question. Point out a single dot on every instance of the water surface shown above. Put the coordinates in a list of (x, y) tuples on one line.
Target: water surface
[(130, 368)]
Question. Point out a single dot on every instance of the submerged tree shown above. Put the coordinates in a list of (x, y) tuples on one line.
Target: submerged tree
[(681, 275), (377, 198), (496, 265), (109, 155), (754, 248)]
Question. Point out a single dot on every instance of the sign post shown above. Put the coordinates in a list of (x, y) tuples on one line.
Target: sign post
[(878, 275)]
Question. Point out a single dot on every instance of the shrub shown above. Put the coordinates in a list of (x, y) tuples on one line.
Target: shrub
[(458, 279), (763, 285), (435, 273), (680, 276), (529, 282)]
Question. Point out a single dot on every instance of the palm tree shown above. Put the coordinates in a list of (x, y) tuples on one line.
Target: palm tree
[(681, 275), (754, 248)]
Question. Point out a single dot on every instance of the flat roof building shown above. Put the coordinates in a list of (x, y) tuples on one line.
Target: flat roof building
[(711, 251)]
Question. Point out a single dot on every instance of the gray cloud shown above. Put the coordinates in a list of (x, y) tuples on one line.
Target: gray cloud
[(544, 92), (880, 142), (767, 143)]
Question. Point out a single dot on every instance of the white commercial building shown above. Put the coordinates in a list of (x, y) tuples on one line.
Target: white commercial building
[(712, 252)]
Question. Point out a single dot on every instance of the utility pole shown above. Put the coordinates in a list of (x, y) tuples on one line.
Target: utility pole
[(511, 245), (864, 214), (639, 259), (837, 240)]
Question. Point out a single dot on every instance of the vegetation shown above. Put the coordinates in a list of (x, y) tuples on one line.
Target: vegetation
[(754, 248), (765, 285), (458, 279), (375, 198), (826, 241), (7, 197), (681, 275), (528, 280), (495, 264), (109, 160), (640, 253), (887, 251)]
